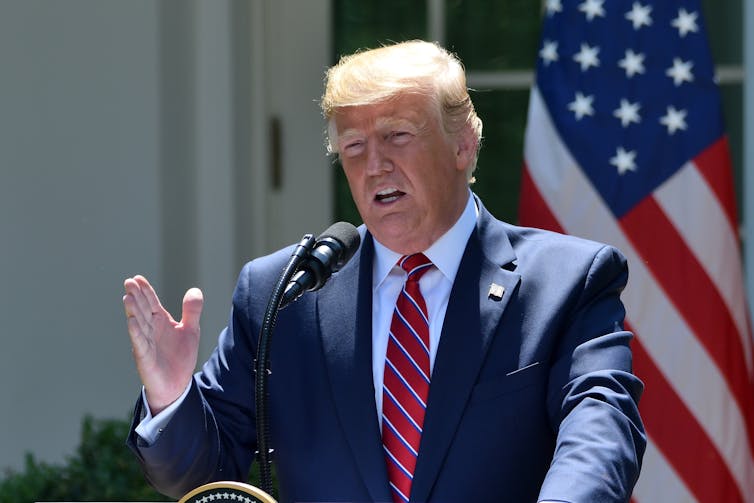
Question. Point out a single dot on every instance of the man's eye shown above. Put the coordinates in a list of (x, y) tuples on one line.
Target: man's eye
[(400, 137), (353, 148)]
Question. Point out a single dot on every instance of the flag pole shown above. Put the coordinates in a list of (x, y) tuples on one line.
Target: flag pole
[(748, 167)]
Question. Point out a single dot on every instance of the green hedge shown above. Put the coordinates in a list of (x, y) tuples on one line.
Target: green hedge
[(101, 469)]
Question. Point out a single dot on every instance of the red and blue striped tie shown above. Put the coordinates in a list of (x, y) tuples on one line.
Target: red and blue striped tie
[(406, 379)]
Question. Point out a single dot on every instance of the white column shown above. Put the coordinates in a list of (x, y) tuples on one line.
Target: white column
[(259, 141), (216, 269), (297, 41)]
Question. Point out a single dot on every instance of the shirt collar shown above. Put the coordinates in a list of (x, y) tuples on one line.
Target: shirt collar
[(445, 253)]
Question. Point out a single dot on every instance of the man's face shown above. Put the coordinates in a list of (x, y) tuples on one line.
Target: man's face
[(406, 175)]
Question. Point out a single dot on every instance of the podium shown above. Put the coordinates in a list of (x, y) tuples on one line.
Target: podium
[(227, 492)]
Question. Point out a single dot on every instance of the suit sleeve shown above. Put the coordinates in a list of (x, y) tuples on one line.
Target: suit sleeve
[(212, 434), (593, 395)]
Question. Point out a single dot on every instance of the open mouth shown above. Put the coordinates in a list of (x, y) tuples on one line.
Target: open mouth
[(388, 195)]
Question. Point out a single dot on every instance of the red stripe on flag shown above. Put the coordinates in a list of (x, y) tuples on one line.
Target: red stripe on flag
[(677, 434), (533, 211), (696, 298), (715, 165)]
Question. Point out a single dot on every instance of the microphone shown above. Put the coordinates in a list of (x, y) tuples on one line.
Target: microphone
[(333, 248)]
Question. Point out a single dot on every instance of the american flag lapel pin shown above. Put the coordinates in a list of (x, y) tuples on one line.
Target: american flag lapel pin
[(496, 292)]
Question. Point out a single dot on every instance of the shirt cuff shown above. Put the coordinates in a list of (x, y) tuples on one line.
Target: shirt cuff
[(151, 426)]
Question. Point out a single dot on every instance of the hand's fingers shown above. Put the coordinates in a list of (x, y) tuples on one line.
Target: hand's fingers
[(140, 306), (149, 294), (139, 342), (133, 314), (147, 301), (138, 330), (192, 308)]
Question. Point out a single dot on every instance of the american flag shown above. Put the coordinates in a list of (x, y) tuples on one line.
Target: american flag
[(625, 144)]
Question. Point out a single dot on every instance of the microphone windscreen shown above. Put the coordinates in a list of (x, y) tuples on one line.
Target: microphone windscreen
[(344, 233)]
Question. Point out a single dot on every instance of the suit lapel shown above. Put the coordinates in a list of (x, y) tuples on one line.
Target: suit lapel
[(345, 311), (470, 322)]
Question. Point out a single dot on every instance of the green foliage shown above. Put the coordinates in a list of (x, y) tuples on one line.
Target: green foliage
[(361, 24), (493, 35), (102, 469)]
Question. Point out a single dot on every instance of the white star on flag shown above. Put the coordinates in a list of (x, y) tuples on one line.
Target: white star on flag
[(680, 72), (549, 52), (587, 57), (553, 6), (628, 113), (581, 106), (632, 63), (674, 120), (592, 9), (624, 161), (639, 15), (685, 22)]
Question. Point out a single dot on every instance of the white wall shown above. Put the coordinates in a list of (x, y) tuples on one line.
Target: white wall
[(131, 142), (78, 199)]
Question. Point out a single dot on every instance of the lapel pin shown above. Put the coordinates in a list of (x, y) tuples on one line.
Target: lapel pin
[(496, 292)]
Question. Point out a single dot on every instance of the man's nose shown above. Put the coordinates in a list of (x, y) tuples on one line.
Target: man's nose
[(378, 161)]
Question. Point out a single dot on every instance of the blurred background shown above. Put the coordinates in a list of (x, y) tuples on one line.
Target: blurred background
[(180, 138)]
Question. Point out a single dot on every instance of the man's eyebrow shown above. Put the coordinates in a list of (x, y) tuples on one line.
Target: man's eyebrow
[(392, 122), (381, 123), (349, 134)]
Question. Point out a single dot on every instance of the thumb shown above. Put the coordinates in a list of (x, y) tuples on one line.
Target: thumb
[(192, 307)]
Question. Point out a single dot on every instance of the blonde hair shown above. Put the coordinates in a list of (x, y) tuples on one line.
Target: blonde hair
[(376, 75)]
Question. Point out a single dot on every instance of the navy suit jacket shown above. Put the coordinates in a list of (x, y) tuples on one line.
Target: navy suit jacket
[(532, 394)]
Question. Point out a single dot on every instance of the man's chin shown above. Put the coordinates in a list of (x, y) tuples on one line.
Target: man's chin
[(398, 236)]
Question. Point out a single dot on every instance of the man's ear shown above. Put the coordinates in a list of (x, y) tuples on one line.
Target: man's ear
[(466, 147)]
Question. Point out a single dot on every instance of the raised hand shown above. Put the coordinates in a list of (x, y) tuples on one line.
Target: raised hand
[(165, 350)]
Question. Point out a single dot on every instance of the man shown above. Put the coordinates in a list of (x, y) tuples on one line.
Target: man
[(494, 369)]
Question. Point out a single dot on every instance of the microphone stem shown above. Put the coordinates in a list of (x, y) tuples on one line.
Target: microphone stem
[(261, 369)]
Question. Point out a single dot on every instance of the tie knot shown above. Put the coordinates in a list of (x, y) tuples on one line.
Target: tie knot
[(415, 265)]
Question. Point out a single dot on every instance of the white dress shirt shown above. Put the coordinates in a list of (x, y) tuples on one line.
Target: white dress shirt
[(387, 282)]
